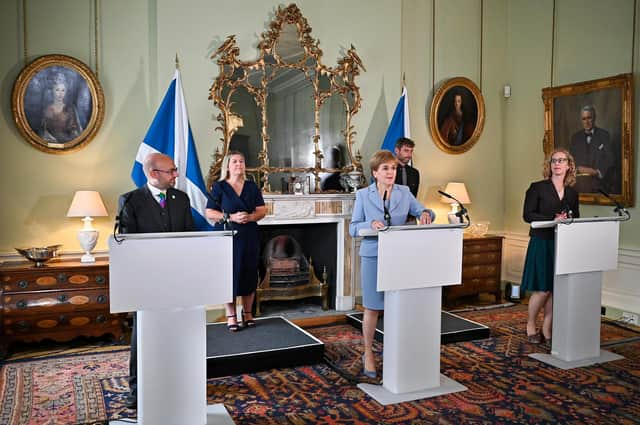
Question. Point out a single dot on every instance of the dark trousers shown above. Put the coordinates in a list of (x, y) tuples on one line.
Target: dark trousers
[(133, 362)]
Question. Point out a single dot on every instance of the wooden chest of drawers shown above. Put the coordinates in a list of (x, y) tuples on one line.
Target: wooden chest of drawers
[(61, 301), (481, 268)]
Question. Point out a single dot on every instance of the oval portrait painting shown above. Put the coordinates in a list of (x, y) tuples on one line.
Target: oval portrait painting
[(57, 103), (457, 115)]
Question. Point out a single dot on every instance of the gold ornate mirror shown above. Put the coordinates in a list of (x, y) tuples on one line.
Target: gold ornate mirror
[(287, 112)]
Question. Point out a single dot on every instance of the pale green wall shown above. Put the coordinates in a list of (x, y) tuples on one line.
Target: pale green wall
[(139, 40), (593, 39), (457, 53), (138, 43)]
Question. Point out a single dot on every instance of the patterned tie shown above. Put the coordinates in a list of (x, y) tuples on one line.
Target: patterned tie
[(404, 176), (163, 199)]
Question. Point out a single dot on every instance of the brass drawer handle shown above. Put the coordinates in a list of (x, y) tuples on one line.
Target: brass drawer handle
[(21, 304), (62, 278), (23, 325), (23, 284), (62, 319), (62, 298), (102, 299), (101, 319), (100, 279)]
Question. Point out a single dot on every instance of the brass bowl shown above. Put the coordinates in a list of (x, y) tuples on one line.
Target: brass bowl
[(39, 255)]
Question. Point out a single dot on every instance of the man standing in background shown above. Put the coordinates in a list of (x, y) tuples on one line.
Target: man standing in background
[(406, 174)]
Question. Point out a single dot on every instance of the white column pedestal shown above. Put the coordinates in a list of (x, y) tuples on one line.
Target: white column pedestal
[(576, 322), (172, 369), (411, 363)]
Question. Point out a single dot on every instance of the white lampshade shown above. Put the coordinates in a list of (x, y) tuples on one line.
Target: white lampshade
[(458, 191), (87, 203)]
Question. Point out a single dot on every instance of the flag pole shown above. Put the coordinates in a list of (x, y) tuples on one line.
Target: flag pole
[(177, 61)]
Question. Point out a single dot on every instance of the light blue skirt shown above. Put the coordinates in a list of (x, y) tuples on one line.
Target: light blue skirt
[(371, 298)]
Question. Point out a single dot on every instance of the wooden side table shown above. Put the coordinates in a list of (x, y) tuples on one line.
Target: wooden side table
[(481, 268), (60, 301)]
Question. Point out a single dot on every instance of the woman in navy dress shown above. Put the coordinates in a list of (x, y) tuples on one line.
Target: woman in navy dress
[(550, 199), (238, 204), (369, 213)]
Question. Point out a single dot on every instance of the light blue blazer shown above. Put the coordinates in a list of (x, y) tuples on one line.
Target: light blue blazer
[(368, 207)]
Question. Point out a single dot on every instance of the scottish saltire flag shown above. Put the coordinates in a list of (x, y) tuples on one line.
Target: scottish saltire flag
[(399, 125), (170, 134)]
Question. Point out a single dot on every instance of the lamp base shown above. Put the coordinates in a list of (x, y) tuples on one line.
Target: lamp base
[(87, 258), (88, 239), (453, 218)]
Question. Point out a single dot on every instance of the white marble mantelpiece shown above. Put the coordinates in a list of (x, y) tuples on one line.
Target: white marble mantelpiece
[(315, 209)]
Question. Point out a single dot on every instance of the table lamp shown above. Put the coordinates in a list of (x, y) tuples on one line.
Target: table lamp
[(87, 203), (458, 191)]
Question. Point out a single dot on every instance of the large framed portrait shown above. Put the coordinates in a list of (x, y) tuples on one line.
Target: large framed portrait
[(57, 104), (456, 117), (593, 120)]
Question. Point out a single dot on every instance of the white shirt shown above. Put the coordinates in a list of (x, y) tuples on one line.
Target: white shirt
[(155, 192)]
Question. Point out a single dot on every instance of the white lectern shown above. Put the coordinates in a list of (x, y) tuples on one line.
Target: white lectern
[(168, 278), (585, 247), (414, 263)]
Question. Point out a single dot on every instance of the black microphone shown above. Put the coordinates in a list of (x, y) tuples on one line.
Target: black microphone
[(116, 226), (387, 216), (463, 210), (567, 210), (619, 208), (225, 220)]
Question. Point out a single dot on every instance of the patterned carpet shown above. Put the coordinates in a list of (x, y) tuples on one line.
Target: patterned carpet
[(505, 385)]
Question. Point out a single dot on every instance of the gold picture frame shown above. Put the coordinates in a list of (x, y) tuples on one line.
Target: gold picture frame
[(57, 104), (456, 130), (604, 154)]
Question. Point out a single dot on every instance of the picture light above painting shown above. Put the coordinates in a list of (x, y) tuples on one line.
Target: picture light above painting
[(456, 118), (57, 104)]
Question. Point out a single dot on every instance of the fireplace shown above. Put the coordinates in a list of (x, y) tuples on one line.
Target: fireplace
[(319, 225), (298, 261)]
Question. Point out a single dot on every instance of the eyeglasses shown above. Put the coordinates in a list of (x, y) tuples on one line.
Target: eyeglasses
[(169, 171), (559, 160)]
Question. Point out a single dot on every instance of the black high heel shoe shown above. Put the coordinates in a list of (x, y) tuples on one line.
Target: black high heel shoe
[(233, 327), (248, 323)]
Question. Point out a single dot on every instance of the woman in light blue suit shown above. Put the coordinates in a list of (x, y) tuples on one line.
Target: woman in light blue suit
[(369, 213)]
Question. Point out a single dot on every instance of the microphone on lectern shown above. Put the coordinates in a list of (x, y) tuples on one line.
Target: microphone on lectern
[(463, 211), (619, 208), (387, 216)]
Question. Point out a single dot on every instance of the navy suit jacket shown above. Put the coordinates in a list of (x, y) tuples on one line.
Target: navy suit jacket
[(368, 207)]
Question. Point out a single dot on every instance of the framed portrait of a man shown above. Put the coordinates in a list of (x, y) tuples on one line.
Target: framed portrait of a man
[(57, 104), (593, 120), (456, 118)]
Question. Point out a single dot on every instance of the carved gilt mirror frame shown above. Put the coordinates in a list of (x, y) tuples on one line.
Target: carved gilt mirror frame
[(259, 79)]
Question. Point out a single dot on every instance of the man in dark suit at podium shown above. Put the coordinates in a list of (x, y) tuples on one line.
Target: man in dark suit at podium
[(152, 208)]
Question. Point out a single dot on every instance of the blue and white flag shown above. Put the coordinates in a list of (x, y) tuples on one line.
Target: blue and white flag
[(170, 134), (399, 125)]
